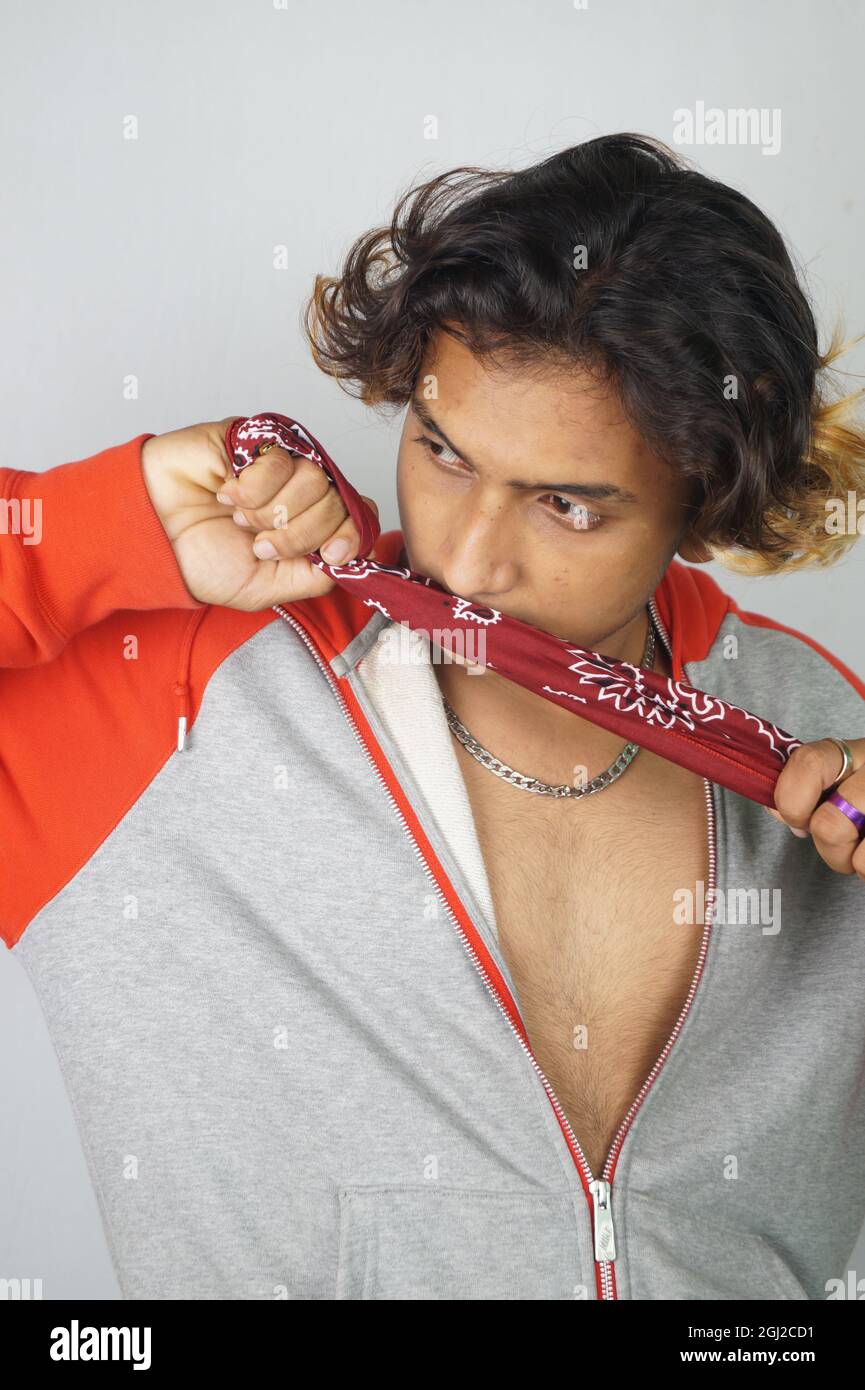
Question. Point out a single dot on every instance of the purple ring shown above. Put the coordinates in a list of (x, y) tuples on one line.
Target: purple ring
[(851, 812)]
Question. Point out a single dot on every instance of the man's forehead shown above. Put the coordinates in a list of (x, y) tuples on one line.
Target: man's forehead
[(535, 394)]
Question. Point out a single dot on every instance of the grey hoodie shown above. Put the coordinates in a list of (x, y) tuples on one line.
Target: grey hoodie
[(283, 1016)]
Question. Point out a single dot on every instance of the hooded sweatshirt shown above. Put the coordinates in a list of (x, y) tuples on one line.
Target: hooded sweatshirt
[(238, 864)]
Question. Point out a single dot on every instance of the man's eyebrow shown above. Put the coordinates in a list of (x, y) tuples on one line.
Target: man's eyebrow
[(597, 492)]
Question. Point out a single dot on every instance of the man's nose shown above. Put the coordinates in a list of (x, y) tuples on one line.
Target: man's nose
[(478, 563)]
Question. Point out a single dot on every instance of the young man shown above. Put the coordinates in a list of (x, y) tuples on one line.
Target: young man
[(344, 1011)]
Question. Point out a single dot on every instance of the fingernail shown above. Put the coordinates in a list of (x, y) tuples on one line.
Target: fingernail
[(264, 550), (229, 501), (335, 551), (803, 834), (240, 518)]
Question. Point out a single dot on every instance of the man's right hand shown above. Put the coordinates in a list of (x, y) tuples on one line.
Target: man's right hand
[(280, 500)]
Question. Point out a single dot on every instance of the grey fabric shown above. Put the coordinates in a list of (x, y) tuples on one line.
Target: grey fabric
[(291, 1081)]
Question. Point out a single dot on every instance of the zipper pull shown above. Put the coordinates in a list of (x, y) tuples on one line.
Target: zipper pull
[(605, 1236)]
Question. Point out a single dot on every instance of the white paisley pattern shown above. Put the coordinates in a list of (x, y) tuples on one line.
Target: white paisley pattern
[(720, 740)]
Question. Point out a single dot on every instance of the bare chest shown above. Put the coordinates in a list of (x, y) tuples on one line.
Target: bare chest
[(588, 900)]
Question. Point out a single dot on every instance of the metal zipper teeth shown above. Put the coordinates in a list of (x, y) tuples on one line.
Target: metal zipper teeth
[(577, 1151), (615, 1148), (605, 1266)]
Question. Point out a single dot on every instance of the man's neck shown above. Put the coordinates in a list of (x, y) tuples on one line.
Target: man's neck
[(531, 733)]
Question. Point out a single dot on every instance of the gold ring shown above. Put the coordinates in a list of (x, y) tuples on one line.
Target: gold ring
[(264, 448)]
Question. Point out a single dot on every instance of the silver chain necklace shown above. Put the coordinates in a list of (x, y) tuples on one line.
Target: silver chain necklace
[(532, 784)]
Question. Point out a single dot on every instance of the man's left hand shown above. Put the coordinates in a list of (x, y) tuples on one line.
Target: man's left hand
[(807, 773)]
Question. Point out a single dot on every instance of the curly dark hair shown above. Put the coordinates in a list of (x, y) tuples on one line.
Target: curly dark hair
[(616, 258)]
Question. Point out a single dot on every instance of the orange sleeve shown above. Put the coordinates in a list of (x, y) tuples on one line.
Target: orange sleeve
[(95, 627), (78, 542)]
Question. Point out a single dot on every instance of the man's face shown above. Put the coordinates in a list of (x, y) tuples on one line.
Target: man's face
[(578, 564)]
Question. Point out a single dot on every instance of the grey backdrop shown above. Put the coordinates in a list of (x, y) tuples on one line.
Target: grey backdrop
[(143, 288)]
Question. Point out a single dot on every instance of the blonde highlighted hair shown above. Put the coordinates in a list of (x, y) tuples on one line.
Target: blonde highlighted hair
[(832, 468)]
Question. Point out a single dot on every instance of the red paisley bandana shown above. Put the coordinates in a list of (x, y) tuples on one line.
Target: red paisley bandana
[(701, 732)]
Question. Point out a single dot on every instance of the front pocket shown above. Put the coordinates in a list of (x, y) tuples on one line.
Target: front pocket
[(676, 1254), (454, 1243)]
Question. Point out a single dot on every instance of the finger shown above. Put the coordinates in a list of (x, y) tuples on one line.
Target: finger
[(308, 485), (257, 484), (286, 581), (304, 532), (343, 545), (808, 771), (315, 530), (835, 836), (283, 579)]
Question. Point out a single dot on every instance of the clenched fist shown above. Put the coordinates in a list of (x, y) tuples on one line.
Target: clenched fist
[(242, 542)]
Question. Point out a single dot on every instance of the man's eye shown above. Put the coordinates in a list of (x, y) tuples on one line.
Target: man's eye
[(431, 445), (576, 514)]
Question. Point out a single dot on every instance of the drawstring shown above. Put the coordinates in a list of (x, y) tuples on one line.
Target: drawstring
[(181, 686)]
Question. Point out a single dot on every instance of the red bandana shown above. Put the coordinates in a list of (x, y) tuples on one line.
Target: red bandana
[(701, 732)]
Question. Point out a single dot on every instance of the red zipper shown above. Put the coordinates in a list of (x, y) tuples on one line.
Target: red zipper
[(598, 1190)]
